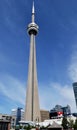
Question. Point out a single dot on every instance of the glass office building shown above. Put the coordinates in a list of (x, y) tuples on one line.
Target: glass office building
[(18, 114), (60, 111), (75, 91)]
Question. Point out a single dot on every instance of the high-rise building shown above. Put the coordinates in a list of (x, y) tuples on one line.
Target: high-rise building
[(18, 115), (75, 91), (32, 109)]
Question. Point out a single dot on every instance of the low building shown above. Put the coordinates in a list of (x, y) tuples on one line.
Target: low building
[(4, 125), (5, 121), (59, 111), (7, 118), (44, 115)]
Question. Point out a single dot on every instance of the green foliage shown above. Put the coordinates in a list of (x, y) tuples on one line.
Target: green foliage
[(75, 125), (65, 123), (71, 123), (42, 126), (17, 127), (27, 127), (20, 127)]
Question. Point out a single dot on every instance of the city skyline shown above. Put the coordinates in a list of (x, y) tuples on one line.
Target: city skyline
[(56, 46)]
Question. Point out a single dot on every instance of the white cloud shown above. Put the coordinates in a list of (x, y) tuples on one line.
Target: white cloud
[(66, 91), (50, 95), (45, 94), (12, 89), (72, 69), (55, 94)]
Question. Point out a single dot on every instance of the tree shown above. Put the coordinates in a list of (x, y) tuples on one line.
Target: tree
[(75, 125), (71, 123), (65, 123), (17, 127), (27, 127)]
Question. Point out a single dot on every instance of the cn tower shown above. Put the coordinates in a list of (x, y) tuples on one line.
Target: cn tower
[(32, 108)]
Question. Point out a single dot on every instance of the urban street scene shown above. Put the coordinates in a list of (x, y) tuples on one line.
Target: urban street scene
[(38, 65)]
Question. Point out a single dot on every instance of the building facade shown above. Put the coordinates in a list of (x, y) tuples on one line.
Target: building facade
[(5, 121), (17, 115), (59, 111), (4, 125), (44, 115), (75, 91), (66, 110), (32, 108)]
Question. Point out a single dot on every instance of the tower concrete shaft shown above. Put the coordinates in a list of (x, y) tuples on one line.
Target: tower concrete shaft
[(32, 110)]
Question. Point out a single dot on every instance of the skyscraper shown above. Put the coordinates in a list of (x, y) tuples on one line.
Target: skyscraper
[(32, 109), (75, 91)]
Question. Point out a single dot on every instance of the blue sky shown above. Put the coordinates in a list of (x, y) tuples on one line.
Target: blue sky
[(56, 45)]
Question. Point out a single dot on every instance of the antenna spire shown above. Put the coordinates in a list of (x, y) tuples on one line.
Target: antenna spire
[(33, 9), (33, 12)]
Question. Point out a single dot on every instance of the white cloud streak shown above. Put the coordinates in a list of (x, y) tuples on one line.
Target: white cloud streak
[(72, 69), (55, 94), (50, 95), (13, 89)]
